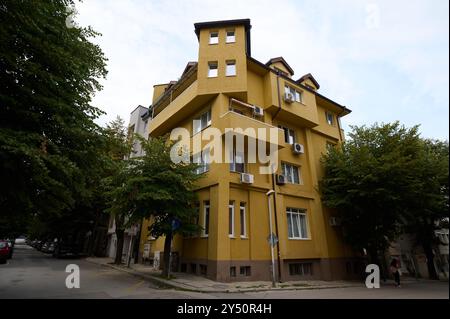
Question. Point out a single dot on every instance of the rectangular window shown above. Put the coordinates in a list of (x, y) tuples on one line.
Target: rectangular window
[(194, 268), (300, 269), (292, 173), (231, 68), (245, 271), (206, 217), (233, 271), (201, 122), (237, 161), (203, 160), (243, 221), (231, 37), (231, 219), (330, 118), (289, 134), (297, 95), (296, 221), (212, 69), (214, 37)]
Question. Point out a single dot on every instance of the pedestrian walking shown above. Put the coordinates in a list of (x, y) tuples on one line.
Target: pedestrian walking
[(395, 270)]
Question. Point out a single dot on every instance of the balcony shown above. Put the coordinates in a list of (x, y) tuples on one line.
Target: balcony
[(233, 120)]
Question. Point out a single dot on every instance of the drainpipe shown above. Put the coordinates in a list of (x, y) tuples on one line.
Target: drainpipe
[(273, 185)]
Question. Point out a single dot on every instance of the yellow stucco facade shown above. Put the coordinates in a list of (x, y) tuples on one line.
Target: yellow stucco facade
[(309, 246)]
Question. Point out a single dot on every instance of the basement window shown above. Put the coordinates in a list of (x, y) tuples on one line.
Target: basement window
[(203, 270), (300, 269), (233, 271), (246, 271)]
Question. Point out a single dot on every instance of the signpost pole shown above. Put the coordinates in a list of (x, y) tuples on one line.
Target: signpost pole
[(271, 237)]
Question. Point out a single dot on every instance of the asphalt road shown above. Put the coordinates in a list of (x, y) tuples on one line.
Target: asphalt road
[(32, 274)]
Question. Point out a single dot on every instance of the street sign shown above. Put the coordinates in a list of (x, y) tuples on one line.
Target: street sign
[(272, 239)]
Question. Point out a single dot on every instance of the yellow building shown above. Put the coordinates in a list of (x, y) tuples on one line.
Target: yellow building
[(226, 88)]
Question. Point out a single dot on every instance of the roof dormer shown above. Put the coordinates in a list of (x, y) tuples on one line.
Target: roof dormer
[(309, 81), (280, 64)]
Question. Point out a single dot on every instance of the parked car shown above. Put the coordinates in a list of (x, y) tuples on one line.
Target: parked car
[(11, 248), (66, 249), (20, 240), (48, 247), (5, 251)]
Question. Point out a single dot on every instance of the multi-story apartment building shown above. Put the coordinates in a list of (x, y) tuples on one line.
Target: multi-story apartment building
[(228, 88), (139, 119)]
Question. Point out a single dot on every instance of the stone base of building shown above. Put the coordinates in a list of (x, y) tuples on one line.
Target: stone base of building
[(291, 270)]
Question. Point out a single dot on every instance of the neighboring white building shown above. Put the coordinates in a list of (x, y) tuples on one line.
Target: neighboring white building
[(138, 124)]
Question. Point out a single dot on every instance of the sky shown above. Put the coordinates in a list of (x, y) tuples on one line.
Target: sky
[(386, 60)]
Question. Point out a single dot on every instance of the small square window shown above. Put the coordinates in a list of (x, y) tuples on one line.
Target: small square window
[(231, 68), (232, 271), (330, 118), (231, 37), (214, 38), (212, 69), (245, 271)]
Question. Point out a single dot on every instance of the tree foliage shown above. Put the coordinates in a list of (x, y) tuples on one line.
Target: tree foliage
[(368, 180), (49, 142)]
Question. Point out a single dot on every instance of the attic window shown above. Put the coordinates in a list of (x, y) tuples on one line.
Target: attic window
[(214, 37), (231, 37)]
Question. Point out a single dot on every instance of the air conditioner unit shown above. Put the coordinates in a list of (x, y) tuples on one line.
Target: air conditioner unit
[(281, 179), (335, 221), (246, 178), (258, 111), (288, 97), (298, 148)]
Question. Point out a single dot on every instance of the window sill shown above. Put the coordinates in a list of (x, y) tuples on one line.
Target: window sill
[(301, 239), (204, 236), (228, 42), (230, 76), (213, 77), (244, 237), (231, 236)]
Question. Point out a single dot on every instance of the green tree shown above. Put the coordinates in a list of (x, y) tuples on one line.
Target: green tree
[(365, 182), (118, 171), (48, 138), (428, 201), (153, 186)]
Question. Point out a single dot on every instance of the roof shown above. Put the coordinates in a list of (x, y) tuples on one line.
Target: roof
[(188, 66), (311, 78), (344, 109), (283, 61), (223, 23)]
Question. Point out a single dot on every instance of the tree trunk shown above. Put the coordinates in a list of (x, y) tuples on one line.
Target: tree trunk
[(167, 251), (119, 250), (430, 261)]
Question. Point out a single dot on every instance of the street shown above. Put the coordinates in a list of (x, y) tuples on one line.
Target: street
[(32, 274)]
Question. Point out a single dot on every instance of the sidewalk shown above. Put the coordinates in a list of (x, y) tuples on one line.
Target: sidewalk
[(191, 282)]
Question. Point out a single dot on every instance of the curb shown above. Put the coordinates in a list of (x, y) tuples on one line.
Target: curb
[(165, 284)]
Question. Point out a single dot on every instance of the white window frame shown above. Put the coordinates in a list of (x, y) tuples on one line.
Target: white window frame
[(233, 161), (243, 220), (231, 38), (300, 213), (298, 95), (214, 39), (203, 159), (206, 213), (201, 122), (231, 211), (288, 171), (329, 118), (289, 134), (230, 69), (213, 69)]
